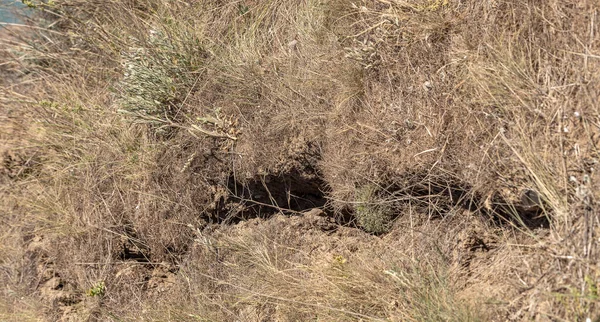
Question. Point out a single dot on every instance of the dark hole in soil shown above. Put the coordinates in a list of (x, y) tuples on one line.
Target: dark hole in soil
[(290, 193), (132, 253), (502, 213), (298, 191), (132, 249), (441, 196)]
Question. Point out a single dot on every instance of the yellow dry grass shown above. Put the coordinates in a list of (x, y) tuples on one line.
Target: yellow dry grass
[(173, 151)]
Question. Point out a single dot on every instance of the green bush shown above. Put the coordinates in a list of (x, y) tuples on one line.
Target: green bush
[(157, 74), (372, 212)]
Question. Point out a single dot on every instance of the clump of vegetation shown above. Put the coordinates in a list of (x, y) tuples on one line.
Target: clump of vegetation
[(373, 213), (157, 73), (97, 290)]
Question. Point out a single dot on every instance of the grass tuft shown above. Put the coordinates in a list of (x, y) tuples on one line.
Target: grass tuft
[(372, 212)]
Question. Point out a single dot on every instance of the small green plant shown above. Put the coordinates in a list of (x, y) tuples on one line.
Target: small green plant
[(339, 260), (243, 9), (29, 4), (592, 288), (97, 290), (577, 302), (37, 4), (373, 214)]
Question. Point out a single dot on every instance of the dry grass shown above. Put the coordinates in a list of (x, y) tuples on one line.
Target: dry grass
[(155, 146)]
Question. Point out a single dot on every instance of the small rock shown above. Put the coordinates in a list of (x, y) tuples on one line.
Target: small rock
[(314, 212), (292, 44), (427, 86), (531, 200)]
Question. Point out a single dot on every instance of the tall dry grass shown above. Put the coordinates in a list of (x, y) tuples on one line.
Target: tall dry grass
[(131, 130)]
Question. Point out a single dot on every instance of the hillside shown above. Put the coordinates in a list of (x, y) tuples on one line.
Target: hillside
[(297, 160)]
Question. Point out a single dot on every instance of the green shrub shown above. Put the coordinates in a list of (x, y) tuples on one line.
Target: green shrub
[(157, 74), (372, 212)]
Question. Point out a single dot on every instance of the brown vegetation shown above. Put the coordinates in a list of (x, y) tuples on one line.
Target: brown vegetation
[(425, 160)]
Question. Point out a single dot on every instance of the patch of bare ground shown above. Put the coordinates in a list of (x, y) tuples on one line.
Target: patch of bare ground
[(291, 161)]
